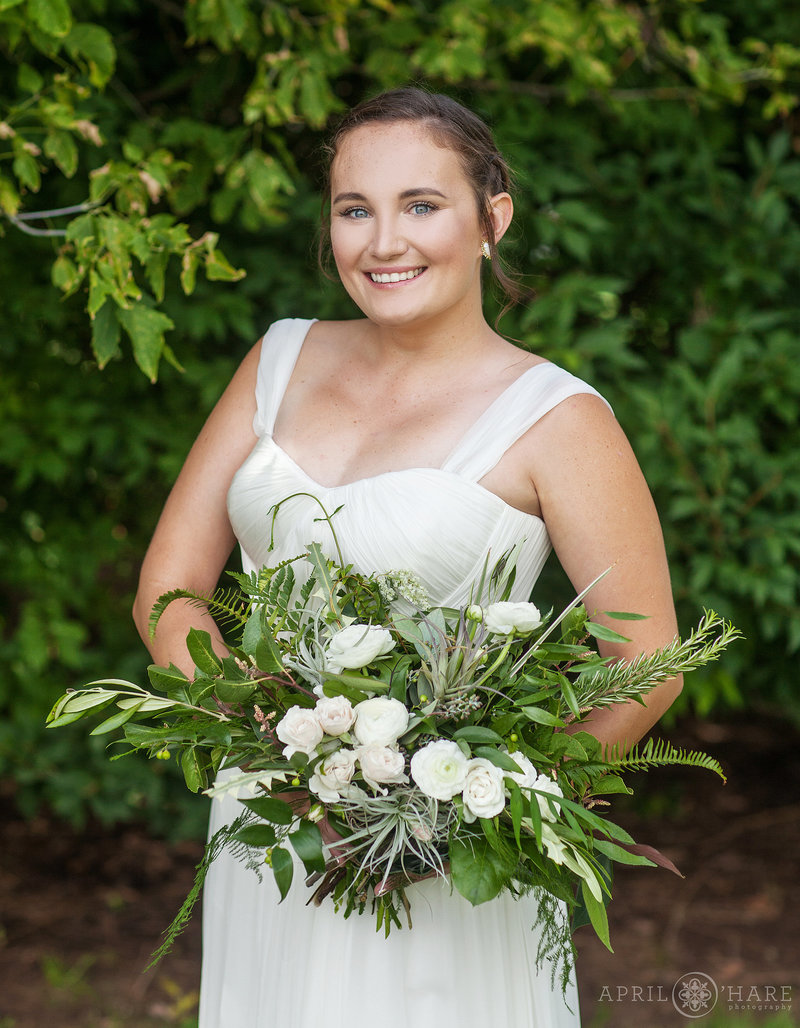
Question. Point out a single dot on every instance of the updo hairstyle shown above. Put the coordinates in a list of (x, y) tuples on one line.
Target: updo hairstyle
[(454, 127)]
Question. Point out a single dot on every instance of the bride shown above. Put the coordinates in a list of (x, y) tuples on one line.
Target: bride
[(439, 441)]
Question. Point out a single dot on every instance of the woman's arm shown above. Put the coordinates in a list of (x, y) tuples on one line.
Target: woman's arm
[(193, 538), (599, 514)]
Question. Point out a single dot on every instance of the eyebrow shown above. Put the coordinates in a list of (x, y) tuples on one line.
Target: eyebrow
[(407, 194)]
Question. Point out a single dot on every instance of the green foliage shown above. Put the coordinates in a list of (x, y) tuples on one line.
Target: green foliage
[(149, 155)]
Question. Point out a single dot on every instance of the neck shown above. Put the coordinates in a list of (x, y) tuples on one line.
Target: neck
[(439, 339)]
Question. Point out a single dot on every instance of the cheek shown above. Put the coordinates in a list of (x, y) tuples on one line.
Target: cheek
[(344, 245)]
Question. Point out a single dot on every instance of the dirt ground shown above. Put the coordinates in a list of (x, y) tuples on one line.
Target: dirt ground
[(80, 913)]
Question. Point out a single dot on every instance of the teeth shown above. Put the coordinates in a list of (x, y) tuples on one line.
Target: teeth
[(396, 276)]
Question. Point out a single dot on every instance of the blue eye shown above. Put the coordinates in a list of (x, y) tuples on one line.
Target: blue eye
[(355, 212), (422, 208)]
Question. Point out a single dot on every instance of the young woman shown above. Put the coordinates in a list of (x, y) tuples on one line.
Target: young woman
[(441, 442)]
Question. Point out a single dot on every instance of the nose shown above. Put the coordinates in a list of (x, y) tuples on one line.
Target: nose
[(387, 240)]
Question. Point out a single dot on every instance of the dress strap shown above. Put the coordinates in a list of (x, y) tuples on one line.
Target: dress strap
[(280, 349), (536, 392)]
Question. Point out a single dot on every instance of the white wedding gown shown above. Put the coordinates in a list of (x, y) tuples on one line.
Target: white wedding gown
[(267, 965)]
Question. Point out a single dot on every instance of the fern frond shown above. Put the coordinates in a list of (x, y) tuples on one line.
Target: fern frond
[(214, 848), (659, 754), (226, 605)]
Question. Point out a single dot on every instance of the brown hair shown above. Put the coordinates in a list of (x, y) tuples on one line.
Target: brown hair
[(454, 127)]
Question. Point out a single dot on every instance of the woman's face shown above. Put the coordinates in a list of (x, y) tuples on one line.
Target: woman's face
[(405, 231)]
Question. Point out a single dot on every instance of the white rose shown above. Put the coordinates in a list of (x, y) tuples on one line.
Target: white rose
[(300, 730), (332, 775), (381, 765), (357, 646), (440, 769), (505, 618), (380, 721), (545, 784), (527, 775), (335, 714), (484, 795)]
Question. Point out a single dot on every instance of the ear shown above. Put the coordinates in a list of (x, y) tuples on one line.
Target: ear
[(501, 211)]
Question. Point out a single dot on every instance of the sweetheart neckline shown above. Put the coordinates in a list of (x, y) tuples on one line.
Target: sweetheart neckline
[(401, 471)]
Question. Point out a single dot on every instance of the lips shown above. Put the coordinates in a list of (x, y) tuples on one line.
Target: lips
[(387, 277)]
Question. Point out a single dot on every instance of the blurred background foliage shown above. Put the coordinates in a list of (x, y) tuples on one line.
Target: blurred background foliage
[(159, 175)]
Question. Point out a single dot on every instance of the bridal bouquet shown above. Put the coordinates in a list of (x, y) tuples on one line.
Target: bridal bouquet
[(385, 740)]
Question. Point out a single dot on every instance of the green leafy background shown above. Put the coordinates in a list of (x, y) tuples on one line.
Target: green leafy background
[(657, 153)]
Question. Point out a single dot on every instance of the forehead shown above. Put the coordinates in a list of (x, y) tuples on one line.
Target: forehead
[(395, 155)]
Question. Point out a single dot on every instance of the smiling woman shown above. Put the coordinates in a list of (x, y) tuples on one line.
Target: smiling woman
[(409, 254), (438, 443)]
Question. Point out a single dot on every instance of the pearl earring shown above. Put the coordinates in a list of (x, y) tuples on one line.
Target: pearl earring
[(487, 253)]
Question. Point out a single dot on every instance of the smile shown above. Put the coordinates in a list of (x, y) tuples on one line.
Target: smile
[(396, 276)]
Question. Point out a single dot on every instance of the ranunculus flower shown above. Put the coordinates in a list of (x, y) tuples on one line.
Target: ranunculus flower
[(332, 775), (380, 721), (335, 714), (545, 784), (381, 765), (440, 769), (300, 730), (356, 646), (527, 775), (484, 795), (505, 618)]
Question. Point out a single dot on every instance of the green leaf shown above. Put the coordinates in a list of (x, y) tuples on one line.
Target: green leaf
[(9, 197), (605, 633), (198, 643), (193, 772), (610, 784), (259, 836), (28, 79), (148, 703), (542, 717), (52, 16), (146, 328), (166, 678), (621, 855), (61, 148), (117, 720), (233, 692), (283, 869), (623, 615), (569, 698), (598, 916), (65, 719), (307, 843), (516, 806), (498, 758), (536, 818), (105, 333), (88, 699), (268, 654), (271, 809), (95, 44), (478, 871), (26, 169), (477, 733), (219, 269)]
